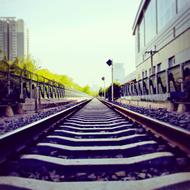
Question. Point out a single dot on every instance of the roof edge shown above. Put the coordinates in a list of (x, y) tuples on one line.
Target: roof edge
[(143, 3)]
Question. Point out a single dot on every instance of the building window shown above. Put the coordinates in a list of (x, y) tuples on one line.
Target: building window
[(141, 35), (154, 69), (153, 72), (171, 61), (166, 11), (159, 67), (150, 21), (145, 73), (138, 40), (174, 32), (150, 72)]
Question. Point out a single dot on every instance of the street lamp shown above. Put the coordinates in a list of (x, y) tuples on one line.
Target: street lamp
[(103, 78), (110, 63)]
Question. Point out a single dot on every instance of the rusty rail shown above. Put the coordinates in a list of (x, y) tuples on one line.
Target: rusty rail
[(15, 141), (174, 135)]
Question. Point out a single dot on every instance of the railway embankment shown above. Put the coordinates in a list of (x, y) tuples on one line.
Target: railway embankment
[(12, 121), (163, 113)]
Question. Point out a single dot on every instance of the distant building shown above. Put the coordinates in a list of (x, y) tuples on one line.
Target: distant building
[(27, 44), (12, 38), (118, 72), (20, 38)]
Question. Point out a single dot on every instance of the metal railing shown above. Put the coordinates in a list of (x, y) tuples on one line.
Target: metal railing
[(17, 84), (164, 83)]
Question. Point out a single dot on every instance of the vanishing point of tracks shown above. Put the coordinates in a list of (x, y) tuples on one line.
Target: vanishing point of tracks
[(98, 148)]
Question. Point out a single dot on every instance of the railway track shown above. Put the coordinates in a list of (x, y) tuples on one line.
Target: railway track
[(93, 147)]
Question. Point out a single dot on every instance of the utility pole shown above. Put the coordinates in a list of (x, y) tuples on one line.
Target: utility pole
[(151, 52), (112, 90), (103, 78), (110, 63)]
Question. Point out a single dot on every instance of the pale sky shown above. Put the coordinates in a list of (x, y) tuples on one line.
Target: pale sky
[(77, 37)]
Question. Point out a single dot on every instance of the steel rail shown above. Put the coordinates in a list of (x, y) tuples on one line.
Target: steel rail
[(15, 141), (174, 135)]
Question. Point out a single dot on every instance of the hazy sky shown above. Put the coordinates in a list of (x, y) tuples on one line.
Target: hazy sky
[(76, 37)]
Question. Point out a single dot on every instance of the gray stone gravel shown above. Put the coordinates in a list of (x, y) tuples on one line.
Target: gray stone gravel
[(98, 175), (8, 124), (178, 119), (120, 175)]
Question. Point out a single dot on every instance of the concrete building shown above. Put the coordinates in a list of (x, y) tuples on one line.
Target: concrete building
[(12, 38), (162, 35), (161, 26), (27, 43), (118, 72), (20, 38)]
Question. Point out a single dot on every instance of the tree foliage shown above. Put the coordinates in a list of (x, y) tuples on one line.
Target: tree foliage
[(117, 91), (101, 92), (32, 66), (28, 64)]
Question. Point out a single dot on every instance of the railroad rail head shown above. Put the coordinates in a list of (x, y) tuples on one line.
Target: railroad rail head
[(97, 146), (174, 135), (15, 141)]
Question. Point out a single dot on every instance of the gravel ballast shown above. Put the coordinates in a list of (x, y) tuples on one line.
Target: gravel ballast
[(178, 119), (8, 124)]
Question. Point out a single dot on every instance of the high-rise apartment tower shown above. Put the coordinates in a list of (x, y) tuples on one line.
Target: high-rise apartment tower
[(12, 38)]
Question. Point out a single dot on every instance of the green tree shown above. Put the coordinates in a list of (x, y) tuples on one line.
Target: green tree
[(28, 64), (117, 91), (101, 92), (86, 89)]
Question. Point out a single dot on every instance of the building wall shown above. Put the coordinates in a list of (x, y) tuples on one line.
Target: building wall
[(164, 27), (12, 40), (162, 32), (1, 39), (26, 43), (20, 38), (119, 72), (5, 36), (180, 48)]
